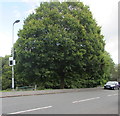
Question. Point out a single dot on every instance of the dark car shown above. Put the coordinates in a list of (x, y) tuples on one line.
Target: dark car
[(111, 85), (119, 84)]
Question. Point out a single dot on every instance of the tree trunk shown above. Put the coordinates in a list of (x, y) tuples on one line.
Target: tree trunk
[(62, 82)]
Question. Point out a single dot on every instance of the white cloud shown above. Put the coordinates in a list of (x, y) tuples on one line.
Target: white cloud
[(30, 11), (112, 48), (17, 14), (33, 5), (5, 44)]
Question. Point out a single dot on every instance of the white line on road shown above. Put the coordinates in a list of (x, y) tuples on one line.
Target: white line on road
[(86, 100), (112, 95), (31, 110)]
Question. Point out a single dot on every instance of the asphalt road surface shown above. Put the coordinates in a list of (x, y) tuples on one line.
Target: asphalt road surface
[(85, 102)]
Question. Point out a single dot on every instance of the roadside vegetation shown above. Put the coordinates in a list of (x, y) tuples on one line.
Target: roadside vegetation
[(60, 46)]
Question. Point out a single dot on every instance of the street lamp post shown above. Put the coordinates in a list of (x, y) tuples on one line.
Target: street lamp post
[(17, 21)]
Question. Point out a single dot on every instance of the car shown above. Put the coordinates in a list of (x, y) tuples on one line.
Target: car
[(119, 84), (111, 85)]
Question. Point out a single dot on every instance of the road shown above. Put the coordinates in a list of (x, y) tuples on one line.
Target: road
[(85, 102)]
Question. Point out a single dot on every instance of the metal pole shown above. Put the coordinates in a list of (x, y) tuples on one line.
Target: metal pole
[(13, 85), (13, 56)]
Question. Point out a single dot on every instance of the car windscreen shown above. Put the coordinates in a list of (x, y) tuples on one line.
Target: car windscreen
[(110, 83)]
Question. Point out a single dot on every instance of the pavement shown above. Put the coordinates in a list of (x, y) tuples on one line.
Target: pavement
[(41, 92)]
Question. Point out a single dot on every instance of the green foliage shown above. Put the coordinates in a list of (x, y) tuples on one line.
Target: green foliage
[(6, 73), (61, 46), (115, 76)]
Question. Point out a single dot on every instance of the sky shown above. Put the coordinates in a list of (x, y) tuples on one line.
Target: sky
[(105, 12)]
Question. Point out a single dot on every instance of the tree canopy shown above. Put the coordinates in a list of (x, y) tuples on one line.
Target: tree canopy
[(6, 72), (61, 45)]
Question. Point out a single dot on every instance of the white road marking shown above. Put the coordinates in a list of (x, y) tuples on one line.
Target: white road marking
[(112, 95), (85, 100), (31, 110)]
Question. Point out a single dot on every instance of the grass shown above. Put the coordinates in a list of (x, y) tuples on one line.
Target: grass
[(8, 90)]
